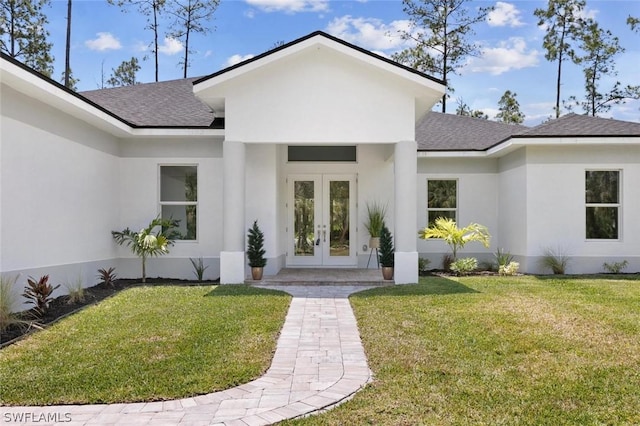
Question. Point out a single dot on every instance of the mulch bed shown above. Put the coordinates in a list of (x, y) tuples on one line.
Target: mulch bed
[(60, 306)]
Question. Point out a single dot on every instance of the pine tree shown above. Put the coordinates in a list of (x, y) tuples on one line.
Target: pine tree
[(190, 17), (255, 247), (509, 109), (634, 23), (125, 74), (563, 20), (152, 9), (440, 30), (466, 111), (71, 82), (23, 35), (600, 48), (386, 250)]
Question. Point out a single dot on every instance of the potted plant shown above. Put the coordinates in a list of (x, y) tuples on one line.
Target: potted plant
[(256, 251), (386, 253), (375, 221)]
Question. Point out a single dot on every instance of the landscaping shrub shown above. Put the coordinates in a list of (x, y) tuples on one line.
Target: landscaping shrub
[(464, 266), (556, 260), (107, 276), (198, 267), (615, 267), (39, 293), (509, 269)]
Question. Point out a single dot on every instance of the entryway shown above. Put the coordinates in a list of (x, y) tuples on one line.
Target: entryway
[(321, 225)]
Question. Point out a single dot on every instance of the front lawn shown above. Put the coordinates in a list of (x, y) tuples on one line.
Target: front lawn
[(491, 350), (147, 343)]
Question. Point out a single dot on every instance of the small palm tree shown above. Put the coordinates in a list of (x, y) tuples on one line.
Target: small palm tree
[(147, 242), (447, 230)]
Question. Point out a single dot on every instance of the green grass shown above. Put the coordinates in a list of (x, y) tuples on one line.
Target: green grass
[(147, 343), (499, 351)]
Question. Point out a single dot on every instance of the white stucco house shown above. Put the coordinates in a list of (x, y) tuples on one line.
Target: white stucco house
[(299, 138)]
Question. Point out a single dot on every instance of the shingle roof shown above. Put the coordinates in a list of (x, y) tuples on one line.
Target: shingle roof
[(448, 132), (582, 125), (164, 104)]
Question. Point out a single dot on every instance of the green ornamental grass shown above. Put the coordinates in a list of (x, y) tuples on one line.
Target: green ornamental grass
[(147, 344)]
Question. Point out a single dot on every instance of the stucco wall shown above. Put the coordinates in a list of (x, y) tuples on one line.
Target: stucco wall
[(512, 210), (556, 205), (318, 96), (140, 202), (60, 192), (478, 199)]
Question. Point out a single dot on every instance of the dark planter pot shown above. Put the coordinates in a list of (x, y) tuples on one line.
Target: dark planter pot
[(256, 273), (387, 272)]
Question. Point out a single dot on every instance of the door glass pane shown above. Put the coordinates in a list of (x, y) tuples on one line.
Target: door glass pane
[(339, 218), (304, 210)]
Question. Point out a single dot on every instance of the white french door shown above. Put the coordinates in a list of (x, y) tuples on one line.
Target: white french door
[(321, 229)]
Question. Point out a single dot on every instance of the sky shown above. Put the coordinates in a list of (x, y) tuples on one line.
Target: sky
[(512, 56)]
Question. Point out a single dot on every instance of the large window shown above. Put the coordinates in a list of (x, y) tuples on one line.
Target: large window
[(442, 199), (602, 198), (179, 197)]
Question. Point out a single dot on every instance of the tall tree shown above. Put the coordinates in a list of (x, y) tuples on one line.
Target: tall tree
[(440, 30), (191, 16), (599, 49), (465, 110), (634, 23), (509, 108), (67, 50), (125, 74), (23, 35), (69, 80), (562, 19), (152, 9)]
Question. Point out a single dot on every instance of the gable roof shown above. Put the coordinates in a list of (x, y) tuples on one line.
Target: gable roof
[(449, 132), (320, 34), (163, 104), (574, 125)]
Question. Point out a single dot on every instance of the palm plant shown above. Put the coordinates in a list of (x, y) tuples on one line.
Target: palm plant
[(149, 241), (447, 230)]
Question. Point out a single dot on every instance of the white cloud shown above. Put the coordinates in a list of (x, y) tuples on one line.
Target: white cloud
[(503, 15), (105, 41), (290, 6), (508, 55), (236, 59), (370, 33), (208, 53), (171, 46)]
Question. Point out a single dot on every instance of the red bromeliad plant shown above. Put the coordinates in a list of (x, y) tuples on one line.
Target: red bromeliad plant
[(39, 293)]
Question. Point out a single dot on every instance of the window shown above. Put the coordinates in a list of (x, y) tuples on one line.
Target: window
[(442, 199), (602, 198), (179, 197), (338, 153)]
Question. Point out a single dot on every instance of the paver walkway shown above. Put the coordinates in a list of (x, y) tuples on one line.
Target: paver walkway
[(319, 362)]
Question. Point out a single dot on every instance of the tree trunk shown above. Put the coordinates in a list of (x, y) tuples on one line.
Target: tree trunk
[(155, 35), (144, 269), (186, 51), (67, 65)]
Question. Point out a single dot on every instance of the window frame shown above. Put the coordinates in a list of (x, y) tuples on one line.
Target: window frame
[(455, 209), (617, 206), (181, 203)]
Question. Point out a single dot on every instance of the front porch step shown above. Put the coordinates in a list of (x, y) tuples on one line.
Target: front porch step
[(324, 277)]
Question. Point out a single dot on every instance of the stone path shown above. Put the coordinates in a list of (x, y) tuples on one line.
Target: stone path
[(319, 362)]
